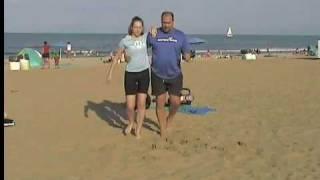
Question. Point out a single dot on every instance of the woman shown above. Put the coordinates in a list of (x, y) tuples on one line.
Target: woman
[(136, 80)]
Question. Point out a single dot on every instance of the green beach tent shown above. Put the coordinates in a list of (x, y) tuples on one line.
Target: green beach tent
[(34, 57), (312, 50)]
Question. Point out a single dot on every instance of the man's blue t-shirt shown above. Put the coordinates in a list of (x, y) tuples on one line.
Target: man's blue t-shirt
[(166, 52)]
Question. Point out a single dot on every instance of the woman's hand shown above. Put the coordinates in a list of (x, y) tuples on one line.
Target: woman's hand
[(113, 62), (109, 77), (126, 56)]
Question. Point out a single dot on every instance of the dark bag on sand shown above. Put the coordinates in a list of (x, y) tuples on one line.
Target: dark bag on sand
[(13, 59), (8, 122), (186, 97)]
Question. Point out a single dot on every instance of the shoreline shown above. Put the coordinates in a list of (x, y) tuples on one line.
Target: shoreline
[(101, 54)]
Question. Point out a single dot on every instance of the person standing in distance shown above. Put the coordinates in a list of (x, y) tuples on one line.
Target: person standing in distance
[(68, 50), (46, 55)]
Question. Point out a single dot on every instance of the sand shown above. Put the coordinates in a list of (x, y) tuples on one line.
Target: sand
[(69, 124)]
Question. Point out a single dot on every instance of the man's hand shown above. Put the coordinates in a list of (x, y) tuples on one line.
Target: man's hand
[(187, 57)]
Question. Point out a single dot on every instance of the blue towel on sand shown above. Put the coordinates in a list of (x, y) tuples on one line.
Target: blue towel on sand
[(189, 109)]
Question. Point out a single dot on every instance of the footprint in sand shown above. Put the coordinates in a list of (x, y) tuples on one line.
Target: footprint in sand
[(184, 141), (74, 178), (153, 146), (217, 148), (241, 143), (14, 91)]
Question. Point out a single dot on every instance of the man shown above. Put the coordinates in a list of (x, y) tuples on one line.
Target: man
[(68, 50), (166, 76), (46, 55)]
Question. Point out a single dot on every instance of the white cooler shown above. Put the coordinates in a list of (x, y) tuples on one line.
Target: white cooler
[(14, 66), (24, 65), (249, 56)]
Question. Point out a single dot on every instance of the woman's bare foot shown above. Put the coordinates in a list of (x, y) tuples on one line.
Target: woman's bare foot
[(128, 129), (138, 133), (163, 133)]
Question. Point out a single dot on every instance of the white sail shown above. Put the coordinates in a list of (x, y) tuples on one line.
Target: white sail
[(229, 33), (318, 48)]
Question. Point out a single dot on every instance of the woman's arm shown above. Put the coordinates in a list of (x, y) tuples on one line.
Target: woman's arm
[(113, 62)]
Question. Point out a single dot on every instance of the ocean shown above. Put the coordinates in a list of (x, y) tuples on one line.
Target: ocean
[(105, 43)]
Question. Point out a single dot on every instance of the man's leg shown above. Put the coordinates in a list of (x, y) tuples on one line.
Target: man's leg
[(174, 106), (175, 87), (161, 113), (47, 63), (131, 102), (48, 60), (44, 63)]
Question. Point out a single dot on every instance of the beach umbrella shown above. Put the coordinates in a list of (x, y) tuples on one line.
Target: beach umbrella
[(59, 45), (195, 40)]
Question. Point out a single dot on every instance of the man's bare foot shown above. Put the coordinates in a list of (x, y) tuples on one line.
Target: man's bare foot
[(128, 129), (169, 123)]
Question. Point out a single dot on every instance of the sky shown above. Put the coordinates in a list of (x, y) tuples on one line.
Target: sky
[(296, 17)]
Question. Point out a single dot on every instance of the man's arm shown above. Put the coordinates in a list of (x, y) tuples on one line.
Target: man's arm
[(186, 49)]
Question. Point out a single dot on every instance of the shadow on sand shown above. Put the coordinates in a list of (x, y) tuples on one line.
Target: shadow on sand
[(308, 58), (115, 115)]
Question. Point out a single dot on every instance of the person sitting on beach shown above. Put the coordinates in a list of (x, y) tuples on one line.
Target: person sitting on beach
[(46, 55), (208, 54), (136, 78), (56, 58)]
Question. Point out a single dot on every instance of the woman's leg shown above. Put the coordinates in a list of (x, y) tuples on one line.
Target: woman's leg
[(141, 107), (131, 102)]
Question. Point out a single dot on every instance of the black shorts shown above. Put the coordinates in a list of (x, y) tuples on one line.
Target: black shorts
[(136, 82), (45, 55), (172, 86)]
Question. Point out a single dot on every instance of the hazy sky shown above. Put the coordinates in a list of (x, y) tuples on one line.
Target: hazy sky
[(197, 16)]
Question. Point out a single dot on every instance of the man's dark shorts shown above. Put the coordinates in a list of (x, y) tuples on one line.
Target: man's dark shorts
[(160, 85), (46, 55)]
